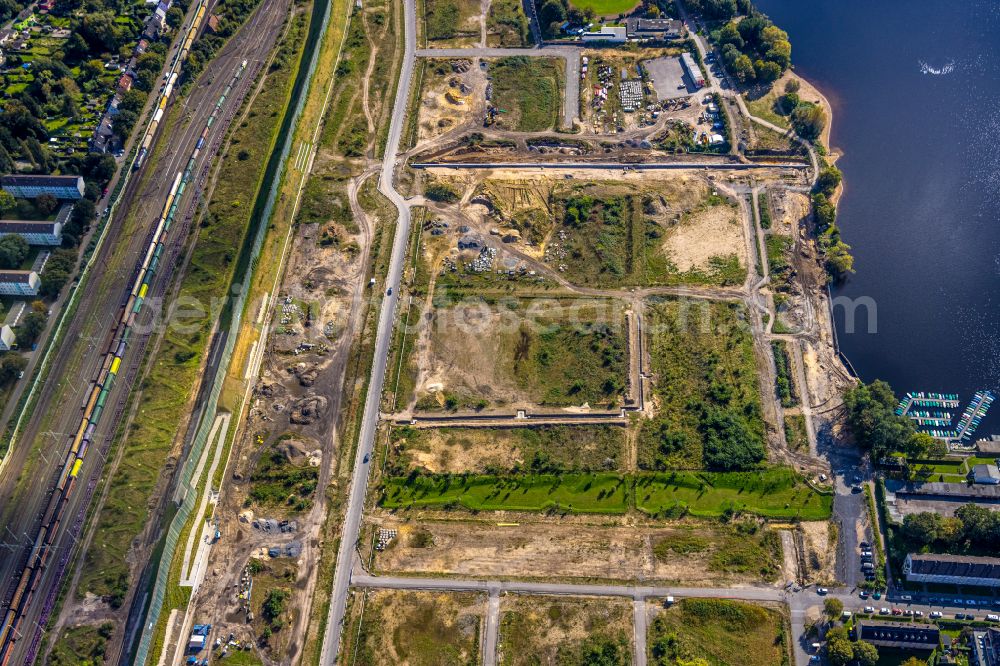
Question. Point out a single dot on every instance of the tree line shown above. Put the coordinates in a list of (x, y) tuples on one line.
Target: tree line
[(973, 529), (871, 415)]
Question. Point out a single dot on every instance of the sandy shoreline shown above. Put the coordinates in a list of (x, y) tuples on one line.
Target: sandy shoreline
[(810, 93)]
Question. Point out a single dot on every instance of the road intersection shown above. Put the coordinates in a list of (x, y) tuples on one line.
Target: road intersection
[(803, 603)]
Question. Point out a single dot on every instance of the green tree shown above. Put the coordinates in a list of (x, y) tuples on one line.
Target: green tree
[(12, 365), (923, 528), (551, 15), (808, 120), (833, 607), (865, 653), (13, 250), (767, 71), (7, 202), (32, 324), (743, 68), (839, 651), (828, 180), (274, 604), (840, 262), (46, 204), (174, 18), (871, 415)]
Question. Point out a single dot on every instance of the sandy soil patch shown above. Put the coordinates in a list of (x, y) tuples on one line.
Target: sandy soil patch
[(461, 450), (485, 352), (820, 551), (712, 232), (788, 210), (450, 98), (568, 549)]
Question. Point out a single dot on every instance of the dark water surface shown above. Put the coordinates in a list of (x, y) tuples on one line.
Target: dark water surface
[(915, 90)]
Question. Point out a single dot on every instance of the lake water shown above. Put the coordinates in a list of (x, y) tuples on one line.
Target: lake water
[(915, 90)]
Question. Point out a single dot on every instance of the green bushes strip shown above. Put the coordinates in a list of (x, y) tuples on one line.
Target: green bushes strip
[(777, 493)]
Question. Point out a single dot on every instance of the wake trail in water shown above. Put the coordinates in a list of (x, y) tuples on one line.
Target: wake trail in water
[(937, 71)]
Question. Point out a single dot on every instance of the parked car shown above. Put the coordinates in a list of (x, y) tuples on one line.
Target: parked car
[(883, 611), (906, 597), (936, 614), (897, 611), (869, 609), (864, 545), (992, 617), (821, 590), (864, 594)]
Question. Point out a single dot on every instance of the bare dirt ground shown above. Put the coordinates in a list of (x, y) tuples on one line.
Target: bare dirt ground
[(712, 232), (788, 210), (532, 547), (820, 552), (406, 628), (457, 451), (474, 350), (535, 629), (451, 97)]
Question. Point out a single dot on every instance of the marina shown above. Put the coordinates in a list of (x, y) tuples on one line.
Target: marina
[(937, 421), (974, 413)]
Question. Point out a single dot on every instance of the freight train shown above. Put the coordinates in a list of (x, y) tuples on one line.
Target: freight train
[(168, 89), (97, 397)]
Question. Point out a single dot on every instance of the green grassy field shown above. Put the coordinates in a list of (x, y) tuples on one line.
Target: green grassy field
[(447, 19), (779, 248), (776, 493), (84, 644), (795, 432), (507, 25), (723, 632), (764, 108), (578, 493), (709, 412), (783, 378), (606, 7), (739, 546), (277, 483), (527, 91)]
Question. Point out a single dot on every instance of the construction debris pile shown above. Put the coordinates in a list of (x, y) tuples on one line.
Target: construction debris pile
[(383, 537)]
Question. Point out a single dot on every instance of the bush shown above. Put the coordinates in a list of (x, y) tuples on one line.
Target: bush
[(441, 192)]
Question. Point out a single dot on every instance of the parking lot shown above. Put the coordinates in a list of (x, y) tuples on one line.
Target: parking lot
[(668, 78)]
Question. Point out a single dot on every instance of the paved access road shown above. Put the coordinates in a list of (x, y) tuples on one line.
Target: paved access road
[(383, 338)]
